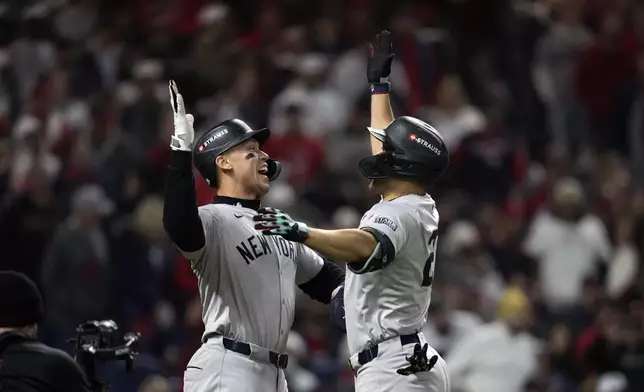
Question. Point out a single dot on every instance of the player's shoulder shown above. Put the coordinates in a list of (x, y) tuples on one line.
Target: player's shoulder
[(220, 211), (409, 208)]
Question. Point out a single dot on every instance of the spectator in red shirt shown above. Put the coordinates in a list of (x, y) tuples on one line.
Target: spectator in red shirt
[(604, 67)]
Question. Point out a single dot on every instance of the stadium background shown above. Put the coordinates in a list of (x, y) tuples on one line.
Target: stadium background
[(541, 103)]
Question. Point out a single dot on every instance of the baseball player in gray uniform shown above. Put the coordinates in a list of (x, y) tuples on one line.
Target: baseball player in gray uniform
[(247, 281), (390, 257)]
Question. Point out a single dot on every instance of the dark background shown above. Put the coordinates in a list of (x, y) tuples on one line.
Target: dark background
[(526, 93)]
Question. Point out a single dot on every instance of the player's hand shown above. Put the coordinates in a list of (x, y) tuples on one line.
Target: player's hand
[(184, 132), (380, 56), (272, 221), (418, 362)]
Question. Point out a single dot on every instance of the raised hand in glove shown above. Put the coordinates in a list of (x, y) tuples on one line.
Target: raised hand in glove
[(272, 221), (184, 132), (418, 362), (380, 56)]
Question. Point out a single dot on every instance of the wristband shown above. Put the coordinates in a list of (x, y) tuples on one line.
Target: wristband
[(380, 88)]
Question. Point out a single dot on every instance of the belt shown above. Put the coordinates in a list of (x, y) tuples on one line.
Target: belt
[(279, 360), (369, 354)]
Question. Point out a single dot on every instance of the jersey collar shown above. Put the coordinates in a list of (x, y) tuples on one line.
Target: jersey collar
[(233, 201)]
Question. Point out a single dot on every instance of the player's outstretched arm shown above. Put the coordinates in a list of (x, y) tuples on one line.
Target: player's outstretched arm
[(345, 245), (380, 57), (180, 212)]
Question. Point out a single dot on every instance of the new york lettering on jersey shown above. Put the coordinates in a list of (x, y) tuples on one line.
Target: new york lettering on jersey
[(407, 226), (248, 276), (257, 245)]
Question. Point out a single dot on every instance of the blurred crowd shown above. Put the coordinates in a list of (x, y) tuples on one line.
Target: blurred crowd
[(539, 280)]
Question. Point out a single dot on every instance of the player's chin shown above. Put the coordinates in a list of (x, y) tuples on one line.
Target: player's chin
[(262, 184)]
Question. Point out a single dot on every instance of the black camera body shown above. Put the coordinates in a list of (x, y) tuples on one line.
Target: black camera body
[(99, 341)]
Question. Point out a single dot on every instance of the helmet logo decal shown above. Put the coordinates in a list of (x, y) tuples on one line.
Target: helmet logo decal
[(214, 137), (200, 148), (424, 143)]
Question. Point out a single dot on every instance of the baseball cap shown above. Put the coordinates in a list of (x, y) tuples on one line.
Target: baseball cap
[(20, 301), (92, 197), (568, 191), (513, 302)]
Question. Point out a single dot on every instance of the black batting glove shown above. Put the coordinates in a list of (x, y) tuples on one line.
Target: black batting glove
[(418, 362), (271, 221), (380, 57)]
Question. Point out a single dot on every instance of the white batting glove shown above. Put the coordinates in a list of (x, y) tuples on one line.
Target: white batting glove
[(184, 132)]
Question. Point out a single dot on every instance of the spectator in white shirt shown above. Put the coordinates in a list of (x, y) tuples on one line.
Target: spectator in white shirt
[(323, 108), (500, 356), (453, 116), (446, 327), (567, 243)]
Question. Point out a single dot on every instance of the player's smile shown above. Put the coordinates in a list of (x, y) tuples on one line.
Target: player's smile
[(262, 172)]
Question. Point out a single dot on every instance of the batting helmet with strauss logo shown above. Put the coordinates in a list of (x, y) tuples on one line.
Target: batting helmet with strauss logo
[(411, 149), (221, 138)]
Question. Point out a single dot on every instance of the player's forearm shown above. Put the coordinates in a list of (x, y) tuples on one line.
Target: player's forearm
[(180, 212), (346, 245), (381, 116), (381, 112)]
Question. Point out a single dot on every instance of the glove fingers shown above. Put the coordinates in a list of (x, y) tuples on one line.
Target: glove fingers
[(385, 39), (265, 227), (172, 89), (191, 119), (181, 107), (403, 372), (268, 210), (432, 361), (370, 50), (264, 218)]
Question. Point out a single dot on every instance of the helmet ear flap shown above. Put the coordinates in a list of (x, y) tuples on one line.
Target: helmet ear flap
[(209, 173), (374, 167)]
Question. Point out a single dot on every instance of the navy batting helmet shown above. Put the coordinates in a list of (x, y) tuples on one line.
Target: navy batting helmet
[(411, 149), (221, 138)]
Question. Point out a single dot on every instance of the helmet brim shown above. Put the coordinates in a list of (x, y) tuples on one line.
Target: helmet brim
[(261, 135), (377, 133)]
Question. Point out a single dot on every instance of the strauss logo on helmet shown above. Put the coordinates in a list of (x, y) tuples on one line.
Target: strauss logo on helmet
[(424, 143), (214, 137)]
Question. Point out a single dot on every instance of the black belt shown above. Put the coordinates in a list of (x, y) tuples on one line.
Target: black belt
[(369, 354), (277, 359)]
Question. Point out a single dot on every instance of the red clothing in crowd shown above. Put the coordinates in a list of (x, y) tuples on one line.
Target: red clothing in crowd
[(204, 192), (302, 155), (602, 73)]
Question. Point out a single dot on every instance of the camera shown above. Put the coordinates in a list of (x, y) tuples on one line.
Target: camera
[(100, 341)]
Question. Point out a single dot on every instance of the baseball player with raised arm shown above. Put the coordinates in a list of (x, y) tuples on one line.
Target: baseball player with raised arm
[(390, 257), (246, 280)]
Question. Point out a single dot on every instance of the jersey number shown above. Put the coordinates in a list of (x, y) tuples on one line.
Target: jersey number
[(428, 271)]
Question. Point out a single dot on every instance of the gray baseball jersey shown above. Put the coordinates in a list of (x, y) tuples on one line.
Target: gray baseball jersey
[(247, 281), (394, 300)]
